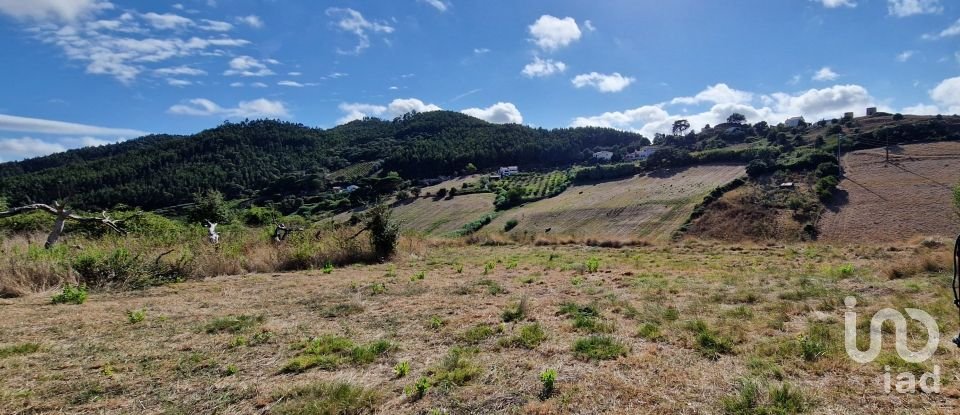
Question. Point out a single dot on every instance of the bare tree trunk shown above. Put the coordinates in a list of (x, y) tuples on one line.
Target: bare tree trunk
[(57, 227), (62, 214)]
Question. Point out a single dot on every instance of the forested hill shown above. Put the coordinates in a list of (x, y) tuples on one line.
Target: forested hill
[(241, 159)]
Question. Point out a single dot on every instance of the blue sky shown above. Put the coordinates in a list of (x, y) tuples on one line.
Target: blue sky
[(88, 72)]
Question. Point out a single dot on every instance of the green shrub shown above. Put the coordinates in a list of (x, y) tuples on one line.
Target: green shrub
[(515, 312), (598, 347), (530, 336), (512, 223), (384, 231), (418, 389), (650, 331), (711, 345), (401, 369), (328, 268), (71, 294), (456, 369), (592, 265), (477, 334), (418, 276), (330, 352)]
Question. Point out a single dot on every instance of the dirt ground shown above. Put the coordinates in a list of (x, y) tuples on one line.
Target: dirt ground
[(909, 196), (777, 309)]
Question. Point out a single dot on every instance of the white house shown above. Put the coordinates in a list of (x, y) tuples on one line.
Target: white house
[(351, 188), (603, 155), (793, 122), (641, 154), (508, 171)]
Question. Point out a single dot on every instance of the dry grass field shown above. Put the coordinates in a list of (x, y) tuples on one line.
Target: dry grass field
[(649, 207), (444, 216), (885, 202), (692, 327)]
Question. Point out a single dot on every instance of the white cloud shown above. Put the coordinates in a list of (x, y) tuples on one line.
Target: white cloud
[(953, 30), (905, 55), (257, 108), (717, 94), (481, 51), (393, 88), (437, 4), (178, 82), (589, 25), (215, 26), (296, 84), (904, 8), (551, 33), (602, 82), (252, 20), (543, 67), (27, 147), (499, 113), (774, 108), (825, 74), (921, 109), (236, 84), (181, 70), (397, 107), (351, 21), (294, 73), (336, 75), (123, 48), (247, 66), (42, 126), (258, 85), (947, 95), (167, 21), (64, 10), (832, 4)]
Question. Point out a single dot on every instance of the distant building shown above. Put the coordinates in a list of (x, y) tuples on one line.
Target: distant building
[(871, 111), (787, 185), (337, 189), (641, 154), (794, 122), (603, 155), (351, 188), (848, 115), (508, 171)]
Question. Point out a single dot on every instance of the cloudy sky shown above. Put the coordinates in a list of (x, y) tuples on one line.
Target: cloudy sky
[(89, 72)]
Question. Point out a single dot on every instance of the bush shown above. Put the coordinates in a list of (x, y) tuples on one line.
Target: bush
[(136, 316), (71, 294), (327, 398), (259, 216), (384, 231), (548, 378), (512, 223), (530, 337), (210, 206)]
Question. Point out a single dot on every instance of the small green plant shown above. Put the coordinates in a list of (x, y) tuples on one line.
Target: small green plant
[(477, 334), (710, 344), (326, 398), (493, 287), (71, 294), (511, 223), (391, 271), (230, 370), (512, 263), (328, 268), (548, 378), (530, 336), (238, 341), (458, 268), (436, 323), (378, 288), (576, 281), (418, 389), (515, 312), (136, 316), (401, 369), (420, 275), (599, 347), (592, 265), (330, 352), (456, 369), (489, 266)]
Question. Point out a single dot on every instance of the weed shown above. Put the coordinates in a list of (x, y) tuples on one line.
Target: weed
[(136, 316), (378, 288), (391, 271), (487, 267), (650, 331), (341, 310), (401, 369), (477, 334), (418, 389), (238, 341), (592, 265), (327, 398), (598, 347), (710, 344), (515, 312), (512, 263), (456, 369), (420, 275), (230, 370), (458, 268), (233, 324), (71, 294), (511, 223), (548, 378), (329, 352), (493, 287), (328, 268), (530, 336), (586, 318), (436, 323), (19, 349), (576, 281)]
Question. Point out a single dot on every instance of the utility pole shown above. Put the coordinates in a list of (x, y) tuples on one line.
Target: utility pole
[(839, 162)]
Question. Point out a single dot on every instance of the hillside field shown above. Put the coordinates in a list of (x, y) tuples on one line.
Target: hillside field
[(647, 207), (908, 197), (695, 328)]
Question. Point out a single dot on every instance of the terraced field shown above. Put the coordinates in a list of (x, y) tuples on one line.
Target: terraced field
[(643, 207)]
